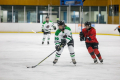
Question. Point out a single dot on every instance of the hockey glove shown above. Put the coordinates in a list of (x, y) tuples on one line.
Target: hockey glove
[(42, 30), (63, 42), (89, 38), (81, 36), (57, 47), (54, 27)]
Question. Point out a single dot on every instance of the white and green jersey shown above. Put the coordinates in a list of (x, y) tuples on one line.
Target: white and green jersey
[(46, 26), (59, 35)]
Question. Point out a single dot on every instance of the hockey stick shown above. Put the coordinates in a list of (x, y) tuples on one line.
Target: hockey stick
[(43, 59), (35, 31), (38, 31)]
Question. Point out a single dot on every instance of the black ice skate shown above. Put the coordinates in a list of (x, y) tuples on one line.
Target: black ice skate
[(55, 61), (74, 61), (42, 42), (48, 42), (95, 60), (101, 60)]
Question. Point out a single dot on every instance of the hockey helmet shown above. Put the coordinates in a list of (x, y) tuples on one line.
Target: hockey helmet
[(61, 23)]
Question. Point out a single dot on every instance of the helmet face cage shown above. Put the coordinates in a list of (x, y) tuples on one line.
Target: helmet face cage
[(88, 23), (61, 23), (47, 16)]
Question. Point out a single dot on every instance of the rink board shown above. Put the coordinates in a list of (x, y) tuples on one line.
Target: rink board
[(104, 29)]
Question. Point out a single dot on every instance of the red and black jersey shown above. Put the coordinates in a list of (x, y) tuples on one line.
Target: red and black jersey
[(90, 33)]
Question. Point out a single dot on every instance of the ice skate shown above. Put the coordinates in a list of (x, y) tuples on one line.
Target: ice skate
[(42, 42), (74, 61), (101, 60), (95, 60), (55, 61)]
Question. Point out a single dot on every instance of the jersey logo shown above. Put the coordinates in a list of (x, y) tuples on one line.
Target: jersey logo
[(48, 26), (65, 36)]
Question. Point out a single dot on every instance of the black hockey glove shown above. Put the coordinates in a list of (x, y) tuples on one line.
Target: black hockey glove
[(88, 38), (63, 42), (42, 30), (54, 27), (81, 36), (57, 47)]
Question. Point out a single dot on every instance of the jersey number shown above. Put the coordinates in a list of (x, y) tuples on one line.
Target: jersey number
[(56, 38)]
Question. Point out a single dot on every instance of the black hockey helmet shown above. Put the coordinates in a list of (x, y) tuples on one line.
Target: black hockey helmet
[(61, 23), (47, 19), (87, 24), (47, 16)]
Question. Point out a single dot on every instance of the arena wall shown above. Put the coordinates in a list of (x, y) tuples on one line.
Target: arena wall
[(76, 28)]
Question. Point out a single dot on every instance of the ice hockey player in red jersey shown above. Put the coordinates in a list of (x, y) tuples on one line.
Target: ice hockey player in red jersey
[(118, 29), (89, 35)]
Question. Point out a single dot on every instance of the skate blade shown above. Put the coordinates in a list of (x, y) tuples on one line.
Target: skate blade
[(72, 62), (96, 62), (53, 64)]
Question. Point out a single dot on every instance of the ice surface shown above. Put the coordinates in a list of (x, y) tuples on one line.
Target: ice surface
[(20, 50)]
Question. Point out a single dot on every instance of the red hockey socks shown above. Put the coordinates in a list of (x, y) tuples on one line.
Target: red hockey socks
[(96, 51), (90, 50)]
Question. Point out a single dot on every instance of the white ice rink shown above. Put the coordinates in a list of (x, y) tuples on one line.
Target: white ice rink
[(20, 50)]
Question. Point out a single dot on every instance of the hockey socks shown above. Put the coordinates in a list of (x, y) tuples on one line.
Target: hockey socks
[(97, 54), (90, 50)]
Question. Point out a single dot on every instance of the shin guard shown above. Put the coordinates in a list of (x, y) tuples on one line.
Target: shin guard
[(96, 51), (90, 50)]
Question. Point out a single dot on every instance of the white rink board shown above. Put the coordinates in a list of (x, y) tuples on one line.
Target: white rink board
[(106, 28), (28, 27)]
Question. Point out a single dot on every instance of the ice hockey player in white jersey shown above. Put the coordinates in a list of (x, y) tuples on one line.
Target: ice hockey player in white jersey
[(63, 36), (46, 29)]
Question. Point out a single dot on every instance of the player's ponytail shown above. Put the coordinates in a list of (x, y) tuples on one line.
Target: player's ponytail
[(93, 27)]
